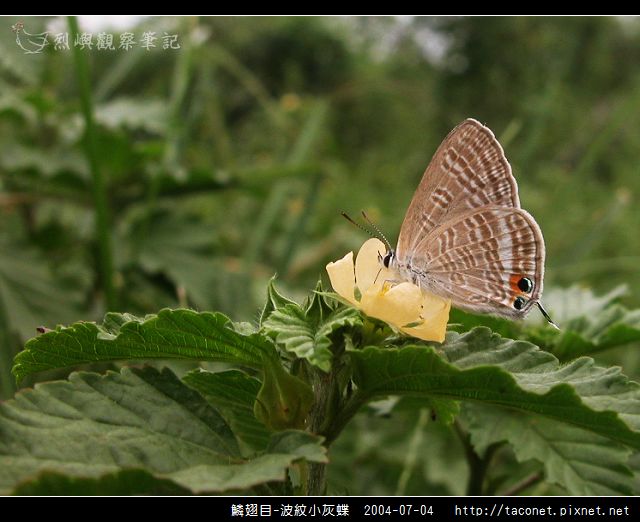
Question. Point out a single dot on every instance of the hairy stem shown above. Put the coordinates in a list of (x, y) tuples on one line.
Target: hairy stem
[(317, 484), (322, 389), (347, 412)]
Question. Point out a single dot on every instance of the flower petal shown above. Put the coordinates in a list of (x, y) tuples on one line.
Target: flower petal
[(370, 287), (398, 306), (435, 314), (342, 277), (368, 266)]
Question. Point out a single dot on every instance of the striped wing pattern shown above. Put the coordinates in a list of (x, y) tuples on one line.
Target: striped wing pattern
[(465, 236)]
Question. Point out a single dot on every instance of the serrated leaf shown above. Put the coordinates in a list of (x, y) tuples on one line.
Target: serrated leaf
[(535, 370), (309, 337), (275, 301), (317, 307), (486, 368), (147, 420), (233, 393), (285, 449), (91, 425), (171, 334), (260, 470), (581, 462)]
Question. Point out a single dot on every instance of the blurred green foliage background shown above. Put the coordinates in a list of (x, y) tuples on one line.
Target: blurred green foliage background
[(229, 159)]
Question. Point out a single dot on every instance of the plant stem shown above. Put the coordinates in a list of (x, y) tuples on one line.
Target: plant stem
[(317, 484), (324, 393), (477, 465), (103, 234), (327, 419), (412, 451), (351, 407)]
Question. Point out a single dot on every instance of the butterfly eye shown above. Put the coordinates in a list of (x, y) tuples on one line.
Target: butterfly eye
[(526, 285), (387, 259), (519, 303)]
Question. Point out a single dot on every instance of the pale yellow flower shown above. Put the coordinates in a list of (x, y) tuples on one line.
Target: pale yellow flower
[(372, 288)]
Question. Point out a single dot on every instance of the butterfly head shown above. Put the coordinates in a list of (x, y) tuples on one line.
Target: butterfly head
[(388, 259)]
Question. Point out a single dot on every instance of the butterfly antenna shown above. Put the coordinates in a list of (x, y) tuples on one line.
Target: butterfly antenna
[(348, 218), (546, 316), (375, 227)]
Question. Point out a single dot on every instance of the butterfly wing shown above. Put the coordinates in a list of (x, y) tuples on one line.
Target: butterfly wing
[(469, 170), (478, 259)]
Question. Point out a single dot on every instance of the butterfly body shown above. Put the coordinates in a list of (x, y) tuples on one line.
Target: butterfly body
[(465, 236)]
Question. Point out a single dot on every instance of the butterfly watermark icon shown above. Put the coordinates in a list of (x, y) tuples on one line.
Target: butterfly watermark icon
[(35, 43)]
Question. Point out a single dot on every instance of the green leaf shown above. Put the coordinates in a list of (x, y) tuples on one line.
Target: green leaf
[(584, 463), (288, 447), (308, 334), (30, 295), (171, 334), (92, 426), (614, 327), (486, 368), (275, 301), (317, 306), (233, 393), (570, 305), (284, 401), (124, 482), (444, 411), (588, 323), (536, 371), (461, 321)]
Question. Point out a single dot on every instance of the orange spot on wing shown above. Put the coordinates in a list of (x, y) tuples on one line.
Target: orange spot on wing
[(513, 282)]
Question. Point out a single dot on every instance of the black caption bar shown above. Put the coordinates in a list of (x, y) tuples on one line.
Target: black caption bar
[(432, 508), (370, 508)]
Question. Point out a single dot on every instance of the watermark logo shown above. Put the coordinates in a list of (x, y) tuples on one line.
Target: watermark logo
[(103, 41)]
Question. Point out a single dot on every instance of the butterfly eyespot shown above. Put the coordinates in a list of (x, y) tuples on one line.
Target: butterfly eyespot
[(525, 284), (519, 303)]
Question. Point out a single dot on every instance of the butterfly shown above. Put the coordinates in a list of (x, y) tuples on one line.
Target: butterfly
[(465, 237)]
